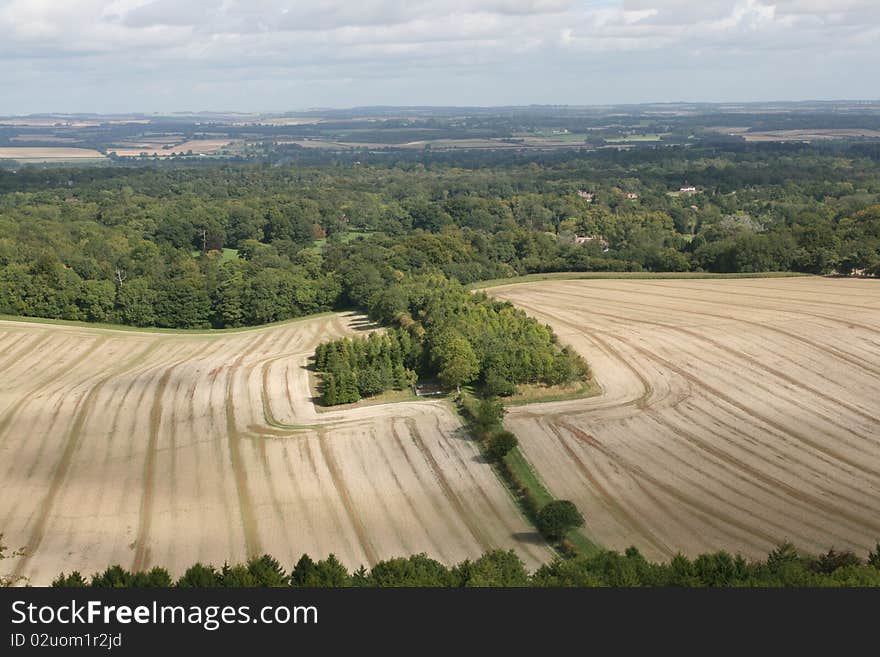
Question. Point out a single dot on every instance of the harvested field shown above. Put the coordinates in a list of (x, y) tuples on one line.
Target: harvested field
[(736, 414), (157, 148), (145, 448), (811, 135), (278, 121), (439, 144), (49, 139), (47, 153), (46, 122)]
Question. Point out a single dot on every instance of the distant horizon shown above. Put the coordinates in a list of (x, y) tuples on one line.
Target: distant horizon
[(451, 106)]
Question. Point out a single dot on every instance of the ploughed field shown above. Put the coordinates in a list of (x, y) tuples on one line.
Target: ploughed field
[(145, 448), (735, 414)]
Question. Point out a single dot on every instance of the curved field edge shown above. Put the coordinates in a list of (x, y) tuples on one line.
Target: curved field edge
[(142, 448), (736, 413), (25, 319), (600, 275), (478, 285), (525, 476)]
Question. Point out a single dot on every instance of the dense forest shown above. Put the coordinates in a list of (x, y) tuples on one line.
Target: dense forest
[(782, 567), (237, 245)]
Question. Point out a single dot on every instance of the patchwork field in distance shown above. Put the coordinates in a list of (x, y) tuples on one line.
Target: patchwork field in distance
[(167, 148), (146, 448), (735, 413), (48, 153)]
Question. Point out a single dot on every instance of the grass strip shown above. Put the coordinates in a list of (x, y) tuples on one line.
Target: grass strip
[(625, 275), (533, 494), (522, 481)]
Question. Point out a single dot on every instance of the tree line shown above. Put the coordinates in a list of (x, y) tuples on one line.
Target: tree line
[(783, 567), (239, 245)]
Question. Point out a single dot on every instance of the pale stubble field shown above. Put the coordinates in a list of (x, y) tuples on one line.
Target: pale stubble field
[(735, 414), (145, 449)]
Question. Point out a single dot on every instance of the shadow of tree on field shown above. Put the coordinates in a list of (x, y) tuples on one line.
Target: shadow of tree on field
[(531, 538)]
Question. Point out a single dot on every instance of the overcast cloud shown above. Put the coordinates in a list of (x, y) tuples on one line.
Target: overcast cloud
[(274, 55)]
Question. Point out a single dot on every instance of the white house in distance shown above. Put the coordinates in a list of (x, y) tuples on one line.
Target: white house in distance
[(631, 195), (587, 196), (586, 239), (688, 189)]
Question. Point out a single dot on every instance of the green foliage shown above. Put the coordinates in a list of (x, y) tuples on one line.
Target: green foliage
[(126, 245), (360, 578), (833, 560), (500, 444), (495, 568), (558, 517), (328, 573), (495, 385), (418, 570), (719, 569), (485, 415), (454, 358), (119, 577), (266, 571), (353, 369), (445, 332), (238, 576), (606, 568), (154, 578), (782, 567), (113, 577), (304, 572), (567, 573), (199, 576), (73, 581), (783, 556)]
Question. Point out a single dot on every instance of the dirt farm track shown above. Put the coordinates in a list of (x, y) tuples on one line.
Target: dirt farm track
[(148, 449), (735, 413)]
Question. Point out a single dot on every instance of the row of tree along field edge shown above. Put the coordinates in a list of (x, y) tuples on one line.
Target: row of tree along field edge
[(783, 567), (557, 520), (440, 331), (243, 245)]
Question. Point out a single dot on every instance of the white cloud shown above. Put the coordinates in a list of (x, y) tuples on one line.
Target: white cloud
[(540, 47)]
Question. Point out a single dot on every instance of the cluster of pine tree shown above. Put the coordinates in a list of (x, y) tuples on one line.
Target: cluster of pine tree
[(443, 331), (353, 369), (782, 567), (472, 339)]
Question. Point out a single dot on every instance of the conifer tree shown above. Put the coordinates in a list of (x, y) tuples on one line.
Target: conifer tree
[(330, 394)]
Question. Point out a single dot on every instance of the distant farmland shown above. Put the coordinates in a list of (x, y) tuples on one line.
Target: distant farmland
[(167, 148), (808, 134), (145, 448), (47, 153), (736, 414)]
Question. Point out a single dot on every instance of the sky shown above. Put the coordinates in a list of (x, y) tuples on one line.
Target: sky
[(117, 56)]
